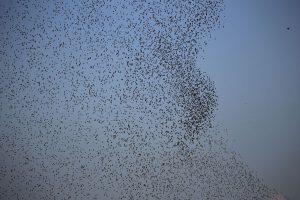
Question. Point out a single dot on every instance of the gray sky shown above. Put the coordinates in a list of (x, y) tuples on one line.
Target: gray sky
[(255, 64)]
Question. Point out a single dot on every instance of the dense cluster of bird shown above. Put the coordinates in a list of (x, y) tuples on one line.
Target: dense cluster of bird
[(103, 100)]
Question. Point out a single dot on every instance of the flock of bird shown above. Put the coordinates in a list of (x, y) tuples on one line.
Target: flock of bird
[(104, 100)]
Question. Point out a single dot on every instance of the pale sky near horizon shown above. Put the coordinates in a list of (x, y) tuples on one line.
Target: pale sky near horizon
[(255, 63)]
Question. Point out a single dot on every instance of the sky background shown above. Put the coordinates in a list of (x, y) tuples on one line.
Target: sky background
[(255, 63)]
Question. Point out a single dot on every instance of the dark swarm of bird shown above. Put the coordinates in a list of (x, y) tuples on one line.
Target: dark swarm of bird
[(104, 100)]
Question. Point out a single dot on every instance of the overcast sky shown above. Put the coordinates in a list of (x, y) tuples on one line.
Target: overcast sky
[(255, 63)]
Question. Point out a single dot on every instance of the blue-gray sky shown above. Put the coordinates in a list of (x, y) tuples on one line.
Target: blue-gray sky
[(255, 64), (104, 99)]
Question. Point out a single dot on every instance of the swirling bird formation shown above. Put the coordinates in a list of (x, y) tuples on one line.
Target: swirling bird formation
[(104, 100)]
